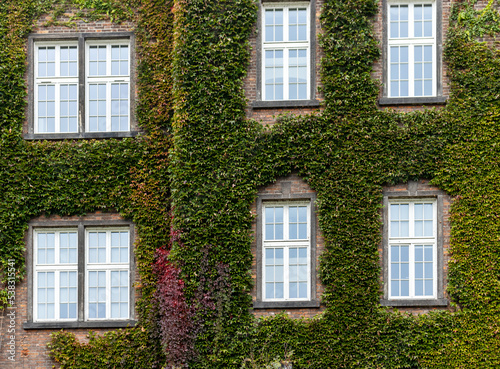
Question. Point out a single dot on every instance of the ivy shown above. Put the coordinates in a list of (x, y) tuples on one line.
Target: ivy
[(188, 182)]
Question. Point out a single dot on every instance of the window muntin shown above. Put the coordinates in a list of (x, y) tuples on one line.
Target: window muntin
[(106, 269), (286, 251), (412, 249), (412, 50), (285, 50), (107, 86)]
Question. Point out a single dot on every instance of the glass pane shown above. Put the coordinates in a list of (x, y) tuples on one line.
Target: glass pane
[(403, 15), (404, 88), (419, 228), (428, 253), (428, 231), (428, 270), (394, 253), (419, 270), (278, 255), (269, 290), (394, 288), (405, 253), (394, 12), (293, 255), (302, 273), (269, 256), (279, 215), (429, 288), (403, 29), (394, 29), (405, 271), (428, 11), (404, 229), (405, 288), (419, 288), (394, 271), (303, 290), (293, 290), (269, 273), (419, 253), (279, 273), (279, 290), (279, 232), (303, 255)]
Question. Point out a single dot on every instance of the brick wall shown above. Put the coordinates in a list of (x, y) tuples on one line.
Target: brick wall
[(31, 345), (298, 186)]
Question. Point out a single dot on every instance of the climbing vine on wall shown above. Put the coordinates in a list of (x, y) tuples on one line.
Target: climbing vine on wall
[(199, 152)]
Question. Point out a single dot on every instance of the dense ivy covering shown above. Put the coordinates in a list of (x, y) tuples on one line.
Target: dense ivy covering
[(200, 152)]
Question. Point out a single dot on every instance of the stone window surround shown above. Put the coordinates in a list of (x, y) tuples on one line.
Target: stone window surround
[(81, 225), (427, 100), (285, 196), (413, 194), (80, 38), (312, 102)]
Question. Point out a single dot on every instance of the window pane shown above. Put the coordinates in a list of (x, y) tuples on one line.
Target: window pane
[(274, 75), (45, 295), (119, 105), (119, 293), (68, 295), (97, 110), (68, 108), (97, 294)]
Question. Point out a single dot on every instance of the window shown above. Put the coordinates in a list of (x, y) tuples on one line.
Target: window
[(286, 250), (412, 54), (412, 249), (286, 59), (414, 238), (81, 273), (81, 86)]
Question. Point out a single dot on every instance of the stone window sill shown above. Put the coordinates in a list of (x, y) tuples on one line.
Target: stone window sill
[(76, 136), (285, 304), (435, 100), (285, 104), (414, 303), (69, 325)]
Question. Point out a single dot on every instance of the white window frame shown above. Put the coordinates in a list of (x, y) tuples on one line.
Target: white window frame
[(78, 267), (286, 244), (411, 42), (412, 241), (108, 80), (107, 267), (56, 81), (56, 268), (285, 45)]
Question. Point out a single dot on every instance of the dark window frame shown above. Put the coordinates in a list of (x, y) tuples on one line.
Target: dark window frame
[(81, 225), (312, 101), (285, 197), (413, 194), (80, 38), (439, 99)]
